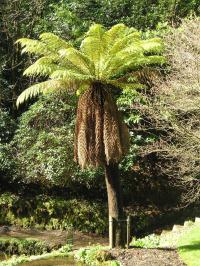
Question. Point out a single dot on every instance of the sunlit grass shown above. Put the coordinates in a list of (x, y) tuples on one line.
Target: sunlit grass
[(189, 247)]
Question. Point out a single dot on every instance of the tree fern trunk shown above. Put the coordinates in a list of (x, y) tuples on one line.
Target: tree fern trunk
[(115, 203)]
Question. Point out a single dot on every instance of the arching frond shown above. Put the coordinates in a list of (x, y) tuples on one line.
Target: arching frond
[(70, 75), (130, 39), (79, 60), (129, 52), (132, 65), (44, 66), (94, 46), (33, 46), (54, 42), (49, 43), (43, 87), (116, 32), (153, 45)]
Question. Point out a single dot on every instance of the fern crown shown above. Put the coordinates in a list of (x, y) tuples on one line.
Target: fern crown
[(105, 56)]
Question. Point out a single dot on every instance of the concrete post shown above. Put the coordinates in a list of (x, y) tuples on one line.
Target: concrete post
[(128, 231), (111, 232)]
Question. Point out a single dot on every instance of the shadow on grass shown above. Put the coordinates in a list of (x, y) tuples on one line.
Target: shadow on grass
[(193, 246), (157, 248)]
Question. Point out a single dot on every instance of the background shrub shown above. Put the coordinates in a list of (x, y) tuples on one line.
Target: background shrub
[(44, 212), (14, 246)]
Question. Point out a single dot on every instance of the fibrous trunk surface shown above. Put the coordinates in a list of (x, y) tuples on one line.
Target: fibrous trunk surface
[(101, 137)]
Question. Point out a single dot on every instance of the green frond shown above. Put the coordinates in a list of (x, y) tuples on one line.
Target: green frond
[(154, 45), (94, 46), (121, 59), (43, 87), (152, 59), (54, 42), (48, 44), (127, 64), (44, 66), (116, 32), (132, 39), (70, 75), (129, 52), (79, 60), (33, 46), (126, 46), (96, 31)]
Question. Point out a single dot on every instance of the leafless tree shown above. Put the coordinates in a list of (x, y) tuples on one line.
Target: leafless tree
[(174, 112)]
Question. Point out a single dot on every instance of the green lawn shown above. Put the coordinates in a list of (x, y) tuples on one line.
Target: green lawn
[(189, 247)]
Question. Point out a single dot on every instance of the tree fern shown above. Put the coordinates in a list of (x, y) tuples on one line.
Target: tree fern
[(104, 59)]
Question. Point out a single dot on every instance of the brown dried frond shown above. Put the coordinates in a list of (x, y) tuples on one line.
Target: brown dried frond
[(101, 137), (147, 76)]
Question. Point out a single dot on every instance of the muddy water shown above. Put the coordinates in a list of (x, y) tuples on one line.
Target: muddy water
[(53, 262)]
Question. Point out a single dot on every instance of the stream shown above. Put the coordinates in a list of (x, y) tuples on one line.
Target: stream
[(68, 261)]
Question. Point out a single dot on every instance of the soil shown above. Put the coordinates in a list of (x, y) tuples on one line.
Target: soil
[(147, 257)]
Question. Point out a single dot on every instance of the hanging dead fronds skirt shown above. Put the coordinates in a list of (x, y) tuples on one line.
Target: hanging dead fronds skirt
[(101, 136)]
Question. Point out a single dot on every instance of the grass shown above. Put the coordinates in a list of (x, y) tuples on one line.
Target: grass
[(189, 246)]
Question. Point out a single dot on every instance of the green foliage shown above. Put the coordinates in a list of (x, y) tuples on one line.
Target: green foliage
[(95, 255), (7, 163), (11, 246), (47, 213), (60, 20), (14, 260), (150, 241), (7, 127), (130, 103), (72, 18), (44, 141), (104, 56), (17, 19)]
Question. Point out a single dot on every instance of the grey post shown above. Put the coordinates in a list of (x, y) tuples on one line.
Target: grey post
[(111, 232), (128, 231)]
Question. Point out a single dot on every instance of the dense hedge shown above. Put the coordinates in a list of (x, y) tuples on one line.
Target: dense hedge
[(44, 212)]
